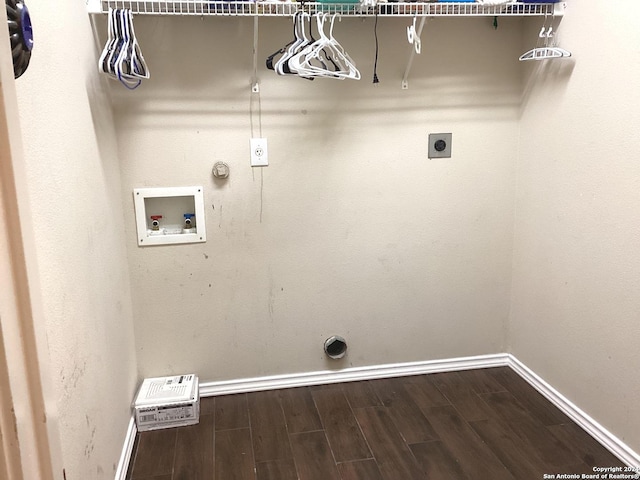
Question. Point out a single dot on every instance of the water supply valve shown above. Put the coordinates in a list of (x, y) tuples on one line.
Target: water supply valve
[(189, 223), (155, 225), (155, 222)]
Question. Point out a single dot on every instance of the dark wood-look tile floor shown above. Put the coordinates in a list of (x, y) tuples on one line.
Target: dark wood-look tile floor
[(476, 424)]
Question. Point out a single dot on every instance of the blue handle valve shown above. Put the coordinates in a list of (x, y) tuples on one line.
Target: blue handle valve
[(188, 222)]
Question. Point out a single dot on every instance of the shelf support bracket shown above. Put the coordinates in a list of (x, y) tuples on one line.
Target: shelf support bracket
[(255, 85), (559, 8), (93, 6), (405, 78)]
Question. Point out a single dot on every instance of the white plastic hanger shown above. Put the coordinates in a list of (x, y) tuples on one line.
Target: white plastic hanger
[(330, 49), (121, 57), (413, 37), (282, 65), (343, 56), (547, 50), (310, 61), (322, 57), (104, 64), (123, 65), (138, 63), (301, 61)]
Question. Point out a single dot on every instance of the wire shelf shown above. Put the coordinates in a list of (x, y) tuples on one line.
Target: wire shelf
[(283, 9)]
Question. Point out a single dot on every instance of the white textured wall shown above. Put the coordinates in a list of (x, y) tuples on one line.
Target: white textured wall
[(74, 185), (575, 313), (360, 235)]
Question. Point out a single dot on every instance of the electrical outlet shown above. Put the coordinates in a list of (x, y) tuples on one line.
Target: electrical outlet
[(440, 145), (259, 152)]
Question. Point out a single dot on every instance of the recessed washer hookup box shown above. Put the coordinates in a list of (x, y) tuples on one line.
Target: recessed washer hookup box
[(165, 402)]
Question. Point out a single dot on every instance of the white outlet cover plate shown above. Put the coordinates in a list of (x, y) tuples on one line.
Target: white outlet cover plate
[(259, 152)]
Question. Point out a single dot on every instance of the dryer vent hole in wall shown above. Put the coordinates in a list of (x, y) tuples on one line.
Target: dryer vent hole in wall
[(335, 347)]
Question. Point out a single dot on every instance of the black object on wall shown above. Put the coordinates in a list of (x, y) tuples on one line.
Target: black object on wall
[(335, 347), (21, 35)]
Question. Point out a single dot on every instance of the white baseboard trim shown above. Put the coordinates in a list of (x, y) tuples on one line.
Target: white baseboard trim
[(593, 428), (208, 389), (127, 450)]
